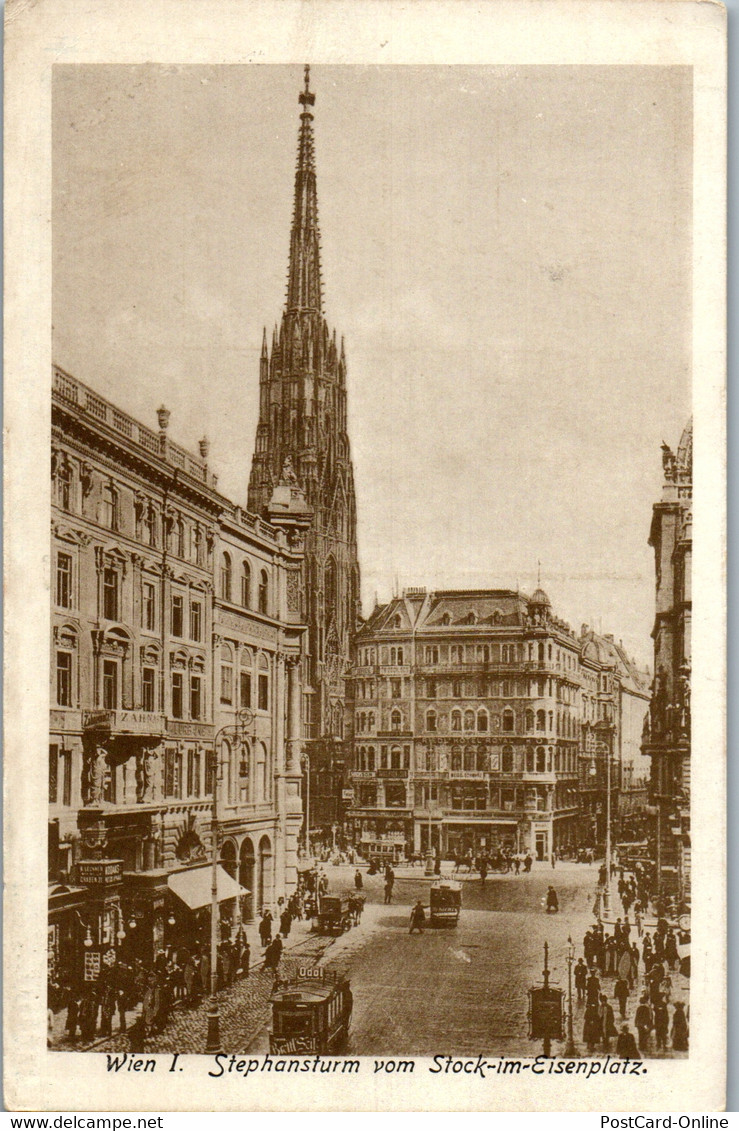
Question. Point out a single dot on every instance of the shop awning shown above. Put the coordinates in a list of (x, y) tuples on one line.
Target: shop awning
[(194, 886)]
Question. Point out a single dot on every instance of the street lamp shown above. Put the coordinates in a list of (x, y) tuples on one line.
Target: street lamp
[(306, 767), (570, 1048), (236, 732)]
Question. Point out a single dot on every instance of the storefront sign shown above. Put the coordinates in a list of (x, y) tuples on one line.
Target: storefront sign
[(189, 730), (97, 873), (347, 795), (92, 965)]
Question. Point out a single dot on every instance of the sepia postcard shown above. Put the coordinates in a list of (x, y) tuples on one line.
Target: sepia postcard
[(365, 551)]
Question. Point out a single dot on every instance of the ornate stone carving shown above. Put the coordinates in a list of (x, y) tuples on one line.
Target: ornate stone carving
[(97, 774)]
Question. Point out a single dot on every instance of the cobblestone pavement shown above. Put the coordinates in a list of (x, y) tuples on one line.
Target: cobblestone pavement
[(456, 991), (463, 991)]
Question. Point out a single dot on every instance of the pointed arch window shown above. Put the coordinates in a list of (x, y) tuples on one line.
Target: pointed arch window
[(329, 590), (226, 576)]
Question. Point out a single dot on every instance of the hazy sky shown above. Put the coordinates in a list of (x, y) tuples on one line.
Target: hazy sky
[(505, 249)]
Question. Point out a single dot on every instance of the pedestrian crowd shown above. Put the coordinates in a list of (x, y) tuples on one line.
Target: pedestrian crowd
[(641, 966)]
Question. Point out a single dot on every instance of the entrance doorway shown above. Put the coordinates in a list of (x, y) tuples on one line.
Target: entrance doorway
[(541, 846)]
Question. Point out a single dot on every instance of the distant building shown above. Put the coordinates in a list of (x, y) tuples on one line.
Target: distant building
[(614, 702), (667, 733), (465, 721), (142, 547), (303, 427)]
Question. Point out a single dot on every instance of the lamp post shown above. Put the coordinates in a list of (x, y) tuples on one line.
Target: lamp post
[(306, 768), (429, 869), (570, 1048), (235, 731)]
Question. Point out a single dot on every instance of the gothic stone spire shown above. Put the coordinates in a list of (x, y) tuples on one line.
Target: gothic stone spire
[(304, 274)]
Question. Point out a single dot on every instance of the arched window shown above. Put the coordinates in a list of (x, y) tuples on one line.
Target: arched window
[(456, 720), (245, 584), (507, 763), (261, 783), (446, 619), (226, 573), (541, 720), (482, 761), (541, 653), (541, 760), (227, 674), (180, 538), (482, 720), (400, 656), (395, 721), (371, 720), (395, 758), (486, 653), (263, 591), (529, 720), (469, 720), (431, 720), (469, 759), (508, 719), (396, 621), (456, 758), (370, 757)]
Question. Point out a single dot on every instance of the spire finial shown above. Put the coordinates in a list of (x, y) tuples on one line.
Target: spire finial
[(305, 97), (538, 575)]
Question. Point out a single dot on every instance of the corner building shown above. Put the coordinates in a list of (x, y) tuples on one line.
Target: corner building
[(465, 716), (302, 437), (171, 610)]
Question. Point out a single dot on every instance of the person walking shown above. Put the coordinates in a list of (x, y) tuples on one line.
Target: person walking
[(626, 1045), (593, 989), (273, 954), (679, 1028), (389, 881), (661, 1023), (592, 1029), (265, 928), (581, 979), (608, 1022), (358, 882), (621, 994), (552, 901), (418, 918), (286, 922), (644, 1022)]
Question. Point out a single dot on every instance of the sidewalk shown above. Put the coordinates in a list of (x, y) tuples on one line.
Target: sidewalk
[(300, 932)]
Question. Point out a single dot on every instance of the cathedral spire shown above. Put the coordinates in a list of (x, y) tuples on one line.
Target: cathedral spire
[(304, 274)]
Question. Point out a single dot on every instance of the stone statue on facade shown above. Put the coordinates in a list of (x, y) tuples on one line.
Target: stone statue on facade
[(148, 775), (98, 775)]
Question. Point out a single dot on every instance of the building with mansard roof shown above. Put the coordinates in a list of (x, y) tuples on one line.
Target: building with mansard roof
[(464, 715), (482, 722), (172, 612), (303, 421), (667, 735)]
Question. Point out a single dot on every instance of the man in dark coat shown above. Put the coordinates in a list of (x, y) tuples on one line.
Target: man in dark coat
[(644, 1021), (661, 1022), (286, 922), (621, 994), (418, 918), (581, 979), (265, 927), (626, 1045)]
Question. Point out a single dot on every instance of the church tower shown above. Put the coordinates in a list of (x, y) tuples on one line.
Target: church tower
[(302, 435)]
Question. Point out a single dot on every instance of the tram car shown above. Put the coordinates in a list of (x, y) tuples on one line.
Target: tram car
[(311, 1014), (445, 902)]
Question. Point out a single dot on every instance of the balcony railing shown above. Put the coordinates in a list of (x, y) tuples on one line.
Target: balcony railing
[(86, 400)]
